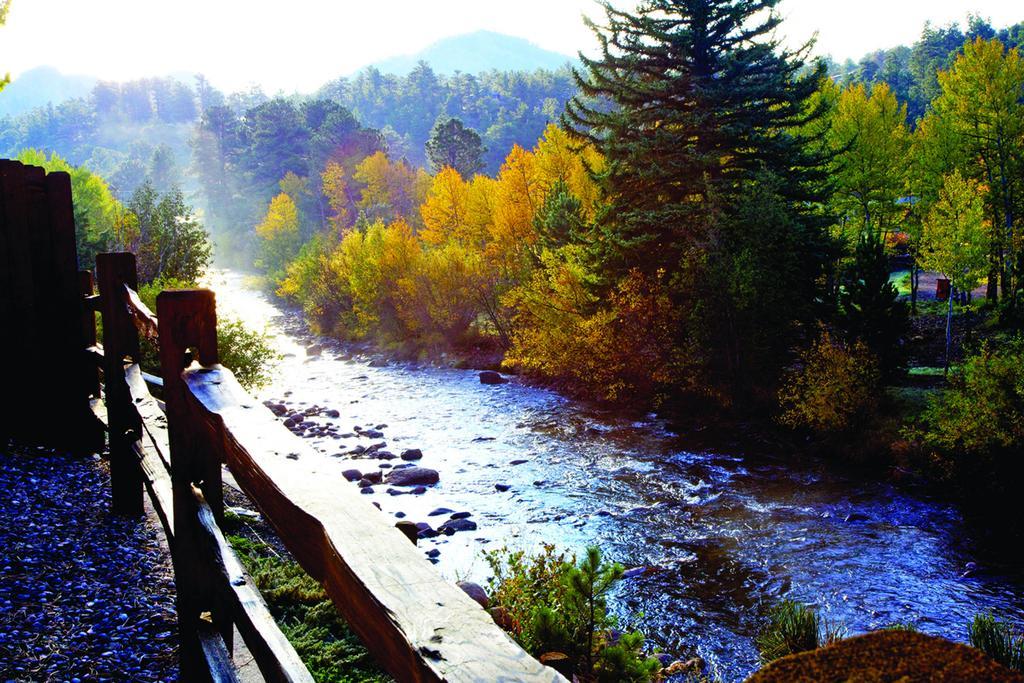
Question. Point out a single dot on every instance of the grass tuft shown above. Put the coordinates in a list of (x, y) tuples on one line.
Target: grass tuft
[(792, 628), (999, 640), (307, 617)]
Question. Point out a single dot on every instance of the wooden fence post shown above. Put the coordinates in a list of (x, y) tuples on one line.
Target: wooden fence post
[(120, 341), (187, 322)]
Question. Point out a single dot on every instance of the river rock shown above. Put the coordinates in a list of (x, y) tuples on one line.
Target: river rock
[(663, 657), (855, 517), (374, 477), (454, 525), (377, 363), (440, 511), (491, 377), (314, 350), (352, 475), (433, 552), (409, 529), (521, 461), (372, 434), (502, 488), (475, 591), (276, 408), (502, 618), (332, 413), (413, 476), (367, 490), (412, 454), (461, 515)]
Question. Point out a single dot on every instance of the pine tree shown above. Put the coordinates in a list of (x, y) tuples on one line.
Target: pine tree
[(688, 99), (453, 145), (695, 106)]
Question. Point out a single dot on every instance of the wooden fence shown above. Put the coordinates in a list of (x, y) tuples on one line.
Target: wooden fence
[(418, 626)]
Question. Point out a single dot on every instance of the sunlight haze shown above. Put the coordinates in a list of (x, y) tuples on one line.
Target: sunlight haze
[(238, 44)]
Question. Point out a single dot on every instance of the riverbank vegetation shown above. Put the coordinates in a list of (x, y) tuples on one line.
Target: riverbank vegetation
[(675, 243)]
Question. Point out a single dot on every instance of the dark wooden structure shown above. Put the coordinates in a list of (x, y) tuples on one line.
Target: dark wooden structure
[(418, 626), (41, 309)]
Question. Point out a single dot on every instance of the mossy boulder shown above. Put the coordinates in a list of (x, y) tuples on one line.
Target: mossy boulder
[(888, 656)]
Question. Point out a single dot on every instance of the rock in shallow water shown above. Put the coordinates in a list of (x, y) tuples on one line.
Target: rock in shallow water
[(491, 377), (413, 476)]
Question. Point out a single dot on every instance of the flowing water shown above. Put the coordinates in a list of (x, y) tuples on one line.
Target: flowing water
[(722, 535)]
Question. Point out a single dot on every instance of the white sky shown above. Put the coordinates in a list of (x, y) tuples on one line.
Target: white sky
[(300, 44)]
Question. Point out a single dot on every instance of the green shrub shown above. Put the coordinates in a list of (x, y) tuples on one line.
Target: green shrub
[(982, 413), (833, 389), (999, 640), (247, 353), (792, 628), (307, 617), (557, 605)]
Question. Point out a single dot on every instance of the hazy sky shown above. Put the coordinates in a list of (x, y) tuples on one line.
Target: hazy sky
[(300, 44)]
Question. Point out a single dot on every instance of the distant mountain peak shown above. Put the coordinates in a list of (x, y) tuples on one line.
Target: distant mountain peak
[(41, 86), (477, 52)]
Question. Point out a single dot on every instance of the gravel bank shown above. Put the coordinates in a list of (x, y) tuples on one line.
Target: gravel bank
[(84, 595)]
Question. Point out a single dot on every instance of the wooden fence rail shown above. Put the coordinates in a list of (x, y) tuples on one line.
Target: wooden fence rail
[(417, 625)]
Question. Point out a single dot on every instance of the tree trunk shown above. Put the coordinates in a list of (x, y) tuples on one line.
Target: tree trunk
[(915, 274), (949, 328)]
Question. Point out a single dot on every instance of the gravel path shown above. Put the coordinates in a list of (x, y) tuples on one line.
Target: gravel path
[(84, 595)]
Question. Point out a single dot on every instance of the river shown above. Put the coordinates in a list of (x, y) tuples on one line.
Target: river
[(722, 534)]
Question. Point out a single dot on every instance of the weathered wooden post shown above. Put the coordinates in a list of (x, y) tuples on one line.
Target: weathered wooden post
[(187, 322), (120, 341)]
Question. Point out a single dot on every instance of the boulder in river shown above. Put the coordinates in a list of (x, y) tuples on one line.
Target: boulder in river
[(453, 525), (412, 454), (413, 476), (440, 511), (502, 488), (352, 475), (314, 350), (491, 377)]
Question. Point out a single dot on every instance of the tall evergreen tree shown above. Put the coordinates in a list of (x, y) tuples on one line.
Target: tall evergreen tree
[(695, 104)]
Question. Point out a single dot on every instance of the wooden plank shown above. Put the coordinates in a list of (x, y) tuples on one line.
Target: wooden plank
[(151, 448), (272, 652), (145, 321), (153, 380), (217, 658), (417, 625)]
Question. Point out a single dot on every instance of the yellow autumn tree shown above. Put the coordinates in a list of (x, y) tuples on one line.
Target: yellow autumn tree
[(391, 190), (445, 210), (335, 188), (559, 159), (279, 237)]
